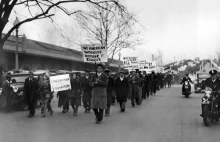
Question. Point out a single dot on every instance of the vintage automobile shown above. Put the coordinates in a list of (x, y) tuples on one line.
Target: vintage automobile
[(199, 82), (17, 83)]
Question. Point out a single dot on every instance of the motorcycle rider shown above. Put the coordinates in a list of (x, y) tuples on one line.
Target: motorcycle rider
[(214, 83), (188, 79)]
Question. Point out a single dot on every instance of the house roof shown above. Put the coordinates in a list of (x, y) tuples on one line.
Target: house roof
[(38, 48)]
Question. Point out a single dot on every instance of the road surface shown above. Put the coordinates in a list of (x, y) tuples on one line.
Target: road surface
[(166, 117)]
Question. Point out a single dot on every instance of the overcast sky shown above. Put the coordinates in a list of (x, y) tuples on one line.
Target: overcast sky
[(179, 28)]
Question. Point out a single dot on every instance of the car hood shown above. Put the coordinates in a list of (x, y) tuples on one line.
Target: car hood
[(20, 86)]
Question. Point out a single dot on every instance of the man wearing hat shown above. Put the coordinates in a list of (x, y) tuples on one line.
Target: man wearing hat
[(188, 79), (110, 88), (30, 93), (6, 94), (122, 89), (86, 91), (99, 83), (214, 83)]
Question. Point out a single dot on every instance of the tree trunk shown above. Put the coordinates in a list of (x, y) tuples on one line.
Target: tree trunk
[(1, 59)]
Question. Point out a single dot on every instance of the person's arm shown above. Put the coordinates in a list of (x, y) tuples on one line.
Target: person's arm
[(103, 80), (190, 80)]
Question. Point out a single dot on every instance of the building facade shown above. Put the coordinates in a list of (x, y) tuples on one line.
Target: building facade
[(35, 55)]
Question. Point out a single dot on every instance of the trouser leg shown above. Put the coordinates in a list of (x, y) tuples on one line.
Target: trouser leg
[(32, 107)]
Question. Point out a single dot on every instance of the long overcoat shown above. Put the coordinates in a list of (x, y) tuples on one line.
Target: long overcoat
[(30, 90), (86, 88), (99, 91), (63, 97), (6, 93), (122, 89)]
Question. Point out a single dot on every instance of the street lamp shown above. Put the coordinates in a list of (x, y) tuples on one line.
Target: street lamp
[(119, 54), (16, 52)]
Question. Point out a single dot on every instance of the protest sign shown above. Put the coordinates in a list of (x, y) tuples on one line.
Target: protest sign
[(60, 82), (143, 64), (94, 53), (130, 63)]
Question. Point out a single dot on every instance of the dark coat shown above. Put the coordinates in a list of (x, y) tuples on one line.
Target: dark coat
[(86, 89), (186, 79), (6, 93), (75, 89), (110, 88), (122, 89), (99, 91), (30, 89), (63, 97), (214, 85)]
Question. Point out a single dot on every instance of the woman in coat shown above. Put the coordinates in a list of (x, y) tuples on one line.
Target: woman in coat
[(122, 89), (74, 95), (99, 82), (63, 100), (46, 95)]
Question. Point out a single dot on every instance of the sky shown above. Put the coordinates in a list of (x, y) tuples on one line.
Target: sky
[(180, 29)]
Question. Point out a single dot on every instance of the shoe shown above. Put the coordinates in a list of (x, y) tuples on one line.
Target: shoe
[(86, 111), (43, 115), (51, 112), (107, 114), (201, 115), (63, 111), (30, 115), (76, 114)]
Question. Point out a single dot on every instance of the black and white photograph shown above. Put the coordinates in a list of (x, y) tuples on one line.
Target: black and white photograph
[(109, 70)]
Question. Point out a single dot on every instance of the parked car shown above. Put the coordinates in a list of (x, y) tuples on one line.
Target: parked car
[(17, 83)]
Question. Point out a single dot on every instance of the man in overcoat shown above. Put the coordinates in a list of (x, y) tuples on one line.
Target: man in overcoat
[(122, 89), (6, 94), (110, 89), (214, 83), (99, 83), (86, 91), (30, 93)]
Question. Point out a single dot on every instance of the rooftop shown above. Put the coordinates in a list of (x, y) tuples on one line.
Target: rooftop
[(38, 48)]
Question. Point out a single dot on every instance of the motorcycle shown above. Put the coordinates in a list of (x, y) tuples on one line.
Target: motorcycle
[(210, 111), (186, 91)]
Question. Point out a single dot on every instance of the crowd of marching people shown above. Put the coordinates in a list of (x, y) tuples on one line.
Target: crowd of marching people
[(97, 92)]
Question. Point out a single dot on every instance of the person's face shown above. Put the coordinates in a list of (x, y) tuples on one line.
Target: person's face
[(45, 77), (214, 77), (121, 75), (87, 73), (31, 75), (99, 69), (74, 76), (9, 79)]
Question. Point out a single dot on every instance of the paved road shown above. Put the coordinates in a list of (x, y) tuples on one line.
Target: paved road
[(166, 117)]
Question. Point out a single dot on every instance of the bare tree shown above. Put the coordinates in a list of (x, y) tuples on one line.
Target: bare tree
[(40, 9), (112, 29)]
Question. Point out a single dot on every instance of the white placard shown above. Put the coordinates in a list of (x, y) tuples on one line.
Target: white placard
[(94, 53), (130, 63), (60, 82)]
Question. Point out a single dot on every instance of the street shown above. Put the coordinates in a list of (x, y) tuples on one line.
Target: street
[(166, 117)]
